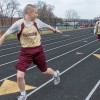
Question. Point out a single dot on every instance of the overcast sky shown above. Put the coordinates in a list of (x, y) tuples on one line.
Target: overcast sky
[(86, 9)]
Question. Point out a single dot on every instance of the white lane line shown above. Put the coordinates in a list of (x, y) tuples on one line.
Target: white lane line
[(29, 94), (8, 77), (52, 49), (42, 38), (9, 48), (57, 56), (8, 63), (42, 41), (66, 39), (68, 44), (16, 40), (14, 74), (71, 50), (47, 37), (9, 54), (10, 44), (92, 91), (10, 40), (45, 44), (55, 35), (49, 49), (66, 35)]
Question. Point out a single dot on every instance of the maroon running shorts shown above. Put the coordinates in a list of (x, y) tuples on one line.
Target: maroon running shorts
[(29, 55), (98, 36)]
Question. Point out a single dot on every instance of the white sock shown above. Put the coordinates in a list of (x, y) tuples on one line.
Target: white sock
[(55, 74), (23, 93)]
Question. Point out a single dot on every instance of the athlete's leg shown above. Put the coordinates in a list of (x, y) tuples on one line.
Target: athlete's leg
[(49, 71), (21, 80), (21, 84), (40, 61), (24, 62), (55, 74)]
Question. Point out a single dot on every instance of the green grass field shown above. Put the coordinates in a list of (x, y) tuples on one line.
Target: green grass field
[(12, 36)]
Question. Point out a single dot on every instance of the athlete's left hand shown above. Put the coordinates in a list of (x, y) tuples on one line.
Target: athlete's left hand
[(58, 31)]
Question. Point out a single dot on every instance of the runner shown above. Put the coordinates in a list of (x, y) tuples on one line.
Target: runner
[(32, 50), (97, 29)]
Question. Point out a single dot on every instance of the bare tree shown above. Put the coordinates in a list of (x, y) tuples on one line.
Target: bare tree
[(8, 9), (45, 10), (20, 13), (46, 13), (72, 14), (13, 9)]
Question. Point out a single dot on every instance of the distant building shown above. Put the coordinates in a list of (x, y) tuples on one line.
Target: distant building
[(6, 21)]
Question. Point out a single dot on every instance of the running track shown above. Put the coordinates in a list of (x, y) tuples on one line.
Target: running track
[(71, 53)]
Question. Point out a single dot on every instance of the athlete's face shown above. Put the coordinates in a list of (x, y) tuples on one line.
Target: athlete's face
[(33, 13)]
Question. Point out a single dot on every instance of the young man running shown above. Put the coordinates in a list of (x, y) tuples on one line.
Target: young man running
[(32, 50), (97, 29)]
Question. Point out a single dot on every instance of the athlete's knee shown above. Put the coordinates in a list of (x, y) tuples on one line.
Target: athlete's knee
[(20, 75)]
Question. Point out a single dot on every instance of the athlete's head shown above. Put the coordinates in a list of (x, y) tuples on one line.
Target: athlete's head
[(31, 11)]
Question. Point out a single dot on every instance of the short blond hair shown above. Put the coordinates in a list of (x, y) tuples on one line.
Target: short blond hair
[(28, 8)]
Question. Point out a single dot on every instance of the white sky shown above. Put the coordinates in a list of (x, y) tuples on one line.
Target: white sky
[(87, 9)]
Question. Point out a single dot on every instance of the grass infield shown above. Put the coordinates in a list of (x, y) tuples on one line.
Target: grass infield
[(12, 36)]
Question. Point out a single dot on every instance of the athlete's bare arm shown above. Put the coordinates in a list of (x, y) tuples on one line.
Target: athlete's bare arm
[(3, 37)]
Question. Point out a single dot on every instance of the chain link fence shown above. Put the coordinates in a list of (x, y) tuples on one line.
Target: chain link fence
[(63, 24), (70, 24)]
